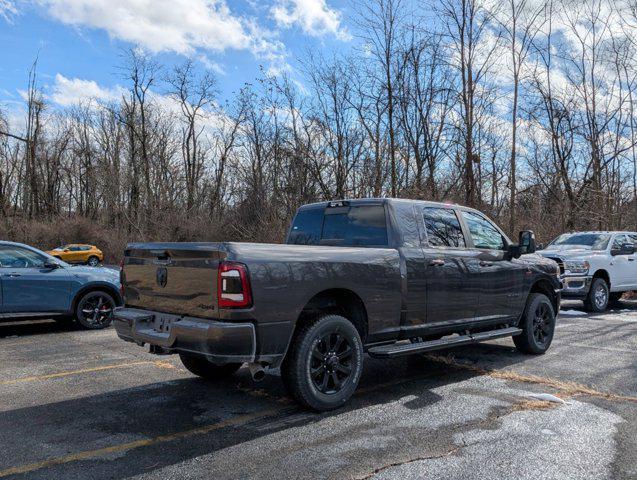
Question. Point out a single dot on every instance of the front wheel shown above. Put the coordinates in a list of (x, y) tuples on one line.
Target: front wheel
[(93, 261), (95, 310), (598, 296), (537, 324), (201, 367), (324, 363)]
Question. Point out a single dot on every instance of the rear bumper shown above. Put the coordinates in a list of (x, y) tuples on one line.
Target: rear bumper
[(576, 286), (220, 342)]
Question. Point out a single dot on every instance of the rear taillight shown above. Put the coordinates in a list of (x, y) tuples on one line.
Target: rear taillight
[(233, 286)]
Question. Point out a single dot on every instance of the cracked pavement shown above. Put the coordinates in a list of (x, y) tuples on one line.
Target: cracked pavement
[(86, 405)]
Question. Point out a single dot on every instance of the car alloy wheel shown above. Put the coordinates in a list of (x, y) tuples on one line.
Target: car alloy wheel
[(93, 262), (96, 309)]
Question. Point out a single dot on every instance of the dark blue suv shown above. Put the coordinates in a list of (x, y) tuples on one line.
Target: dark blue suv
[(34, 284)]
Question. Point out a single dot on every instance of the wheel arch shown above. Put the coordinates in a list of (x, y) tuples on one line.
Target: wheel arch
[(544, 287), (97, 287), (339, 301), (603, 274)]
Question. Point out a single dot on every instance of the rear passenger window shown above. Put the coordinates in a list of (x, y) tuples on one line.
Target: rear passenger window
[(443, 228), (306, 228), (483, 233), (358, 225)]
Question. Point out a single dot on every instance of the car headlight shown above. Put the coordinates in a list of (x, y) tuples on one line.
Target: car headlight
[(576, 266)]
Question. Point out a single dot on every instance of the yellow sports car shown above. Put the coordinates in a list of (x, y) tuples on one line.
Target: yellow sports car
[(78, 253)]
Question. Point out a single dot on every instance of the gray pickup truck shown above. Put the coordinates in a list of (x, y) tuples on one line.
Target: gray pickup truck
[(388, 277)]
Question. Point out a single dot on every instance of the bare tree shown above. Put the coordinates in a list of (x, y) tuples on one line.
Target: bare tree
[(195, 96), (521, 25), (467, 24)]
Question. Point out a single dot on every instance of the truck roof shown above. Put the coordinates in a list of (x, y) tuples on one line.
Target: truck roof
[(601, 231), (386, 200)]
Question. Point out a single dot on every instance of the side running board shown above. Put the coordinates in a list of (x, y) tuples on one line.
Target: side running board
[(400, 349)]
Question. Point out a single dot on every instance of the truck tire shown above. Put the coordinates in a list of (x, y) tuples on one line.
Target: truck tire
[(537, 324), (324, 363), (201, 367), (598, 296)]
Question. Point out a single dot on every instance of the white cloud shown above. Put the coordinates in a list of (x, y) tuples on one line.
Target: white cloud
[(186, 27), (14, 114), (314, 17), (7, 10), (71, 91), (158, 25)]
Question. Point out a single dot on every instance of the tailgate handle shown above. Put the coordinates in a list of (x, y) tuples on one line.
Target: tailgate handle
[(163, 257)]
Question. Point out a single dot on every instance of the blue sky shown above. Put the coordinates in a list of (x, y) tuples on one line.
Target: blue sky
[(79, 42)]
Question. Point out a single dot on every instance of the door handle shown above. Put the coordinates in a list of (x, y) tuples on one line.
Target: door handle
[(11, 274), (438, 262), (484, 263), (631, 259)]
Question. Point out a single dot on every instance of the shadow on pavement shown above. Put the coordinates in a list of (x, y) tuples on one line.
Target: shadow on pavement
[(166, 408), (11, 328)]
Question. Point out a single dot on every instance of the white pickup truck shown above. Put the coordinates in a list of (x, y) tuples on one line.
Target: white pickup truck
[(596, 267)]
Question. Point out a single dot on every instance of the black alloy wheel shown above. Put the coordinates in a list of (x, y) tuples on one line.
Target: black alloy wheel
[(537, 324), (330, 366), (324, 362), (543, 324), (95, 310)]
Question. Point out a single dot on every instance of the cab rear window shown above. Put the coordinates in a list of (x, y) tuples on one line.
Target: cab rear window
[(363, 225)]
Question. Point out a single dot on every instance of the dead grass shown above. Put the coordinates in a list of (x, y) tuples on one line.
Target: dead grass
[(566, 389), (525, 405)]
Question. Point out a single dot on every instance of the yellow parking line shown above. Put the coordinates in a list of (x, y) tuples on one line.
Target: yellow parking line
[(269, 412), (50, 376), (139, 443)]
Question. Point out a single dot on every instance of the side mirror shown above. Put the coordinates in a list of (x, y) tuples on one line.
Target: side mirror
[(527, 242), (539, 246), (626, 249), (51, 265)]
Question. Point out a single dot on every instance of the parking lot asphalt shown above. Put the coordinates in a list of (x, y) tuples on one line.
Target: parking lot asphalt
[(77, 405)]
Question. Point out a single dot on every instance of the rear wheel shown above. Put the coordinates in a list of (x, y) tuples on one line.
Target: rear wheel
[(93, 261), (324, 363), (537, 324), (598, 296), (201, 367), (94, 311)]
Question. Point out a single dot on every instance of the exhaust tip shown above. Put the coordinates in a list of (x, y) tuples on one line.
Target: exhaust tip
[(257, 372)]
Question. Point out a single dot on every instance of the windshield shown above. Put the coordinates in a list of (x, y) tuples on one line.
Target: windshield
[(593, 241)]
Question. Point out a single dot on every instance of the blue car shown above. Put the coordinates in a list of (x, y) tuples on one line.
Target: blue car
[(34, 284)]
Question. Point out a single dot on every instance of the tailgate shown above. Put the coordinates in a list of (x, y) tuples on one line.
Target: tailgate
[(178, 278)]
